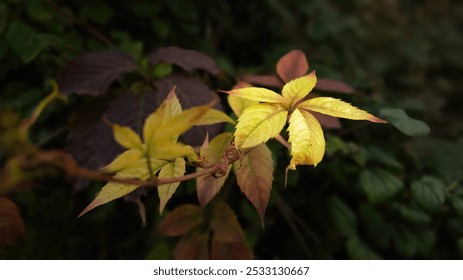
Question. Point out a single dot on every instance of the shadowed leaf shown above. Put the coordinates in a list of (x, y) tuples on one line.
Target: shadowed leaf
[(93, 73), (405, 124), (187, 59), (380, 185), (264, 80), (208, 186), (255, 176), (194, 246), (327, 121), (180, 221), (23, 41), (12, 228), (292, 65), (429, 192), (335, 86)]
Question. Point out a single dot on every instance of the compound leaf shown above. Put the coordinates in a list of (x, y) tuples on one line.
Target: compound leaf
[(172, 169)]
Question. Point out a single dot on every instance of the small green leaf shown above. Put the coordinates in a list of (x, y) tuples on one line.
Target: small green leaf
[(343, 217), (429, 193), (379, 185), (23, 41), (378, 155), (98, 12), (359, 250), (3, 17), (405, 124), (457, 203)]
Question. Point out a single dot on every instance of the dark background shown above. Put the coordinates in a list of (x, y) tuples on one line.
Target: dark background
[(396, 54)]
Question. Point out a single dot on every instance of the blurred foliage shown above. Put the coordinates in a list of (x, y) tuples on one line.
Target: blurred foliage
[(379, 193)]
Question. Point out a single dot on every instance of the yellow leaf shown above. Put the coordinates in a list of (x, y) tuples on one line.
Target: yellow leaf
[(213, 116), (306, 138), (168, 150), (259, 123), (255, 176), (173, 107), (172, 169), (153, 123), (239, 104), (124, 160), (337, 108), (126, 137), (296, 89), (257, 94)]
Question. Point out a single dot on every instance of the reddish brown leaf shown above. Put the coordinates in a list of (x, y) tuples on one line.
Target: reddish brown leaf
[(180, 221), (292, 65), (327, 121), (229, 250), (331, 85), (187, 59), (263, 80), (194, 246), (224, 224), (93, 73), (255, 176), (12, 228)]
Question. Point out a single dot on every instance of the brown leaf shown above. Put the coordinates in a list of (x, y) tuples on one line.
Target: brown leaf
[(12, 228), (327, 121), (331, 85), (255, 176), (194, 246), (180, 221), (93, 73), (187, 59), (263, 80), (292, 65), (229, 250)]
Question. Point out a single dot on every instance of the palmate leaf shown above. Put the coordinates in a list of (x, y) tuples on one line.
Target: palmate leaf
[(255, 176), (172, 169), (295, 90), (258, 124)]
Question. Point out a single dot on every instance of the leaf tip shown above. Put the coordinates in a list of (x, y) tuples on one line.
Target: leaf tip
[(376, 119)]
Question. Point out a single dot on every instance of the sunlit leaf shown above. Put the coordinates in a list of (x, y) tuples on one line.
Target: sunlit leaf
[(124, 160), (239, 104), (257, 94), (168, 150), (180, 221), (12, 228), (306, 138), (295, 90), (213, 116), (255, 176), (405, 124), (292, 65), (337, 108), (258, 124), (173, 169), (126, 137)]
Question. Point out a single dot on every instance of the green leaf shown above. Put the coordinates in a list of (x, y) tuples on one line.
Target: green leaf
[(457, 203), (23, 41), (410, 213), (124, 160), (405, 124), (343, 217), (3, 17), (165, 192), (378, 155), (98, 12), (358, 250), (379, 185), (429, 193)]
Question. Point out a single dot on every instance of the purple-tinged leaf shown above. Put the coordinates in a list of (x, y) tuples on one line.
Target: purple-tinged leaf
[(180, 221), (187, 59), (90, 140), (194, 246), (327, 121), (93, 73), (191, 92), (331, 85)]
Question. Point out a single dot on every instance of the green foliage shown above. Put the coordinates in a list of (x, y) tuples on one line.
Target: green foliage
[(390, 192)]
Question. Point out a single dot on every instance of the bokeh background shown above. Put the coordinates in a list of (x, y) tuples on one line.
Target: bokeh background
[(391, 192)]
